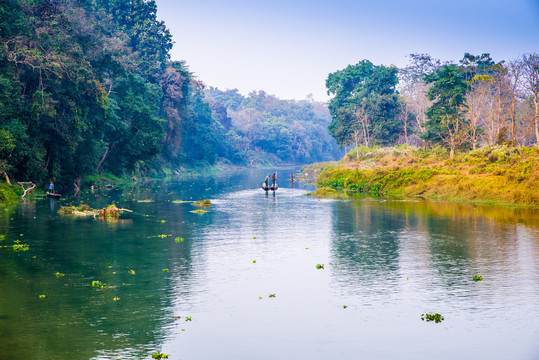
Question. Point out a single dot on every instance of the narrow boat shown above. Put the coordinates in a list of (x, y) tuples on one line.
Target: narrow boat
[(53, 195), (271, 187)]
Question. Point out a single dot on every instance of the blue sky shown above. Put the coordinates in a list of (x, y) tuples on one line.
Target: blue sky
[(287, 48)]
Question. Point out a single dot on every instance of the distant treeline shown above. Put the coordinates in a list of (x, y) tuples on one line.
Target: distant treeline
[(88, 86), (262, 128), (460, 106)]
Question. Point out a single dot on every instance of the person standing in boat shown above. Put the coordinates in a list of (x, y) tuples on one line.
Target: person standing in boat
[(267, 180), (273, 179), (51, 187)]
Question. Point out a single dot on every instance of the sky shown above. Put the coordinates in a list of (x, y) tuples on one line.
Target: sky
[(288, 48)]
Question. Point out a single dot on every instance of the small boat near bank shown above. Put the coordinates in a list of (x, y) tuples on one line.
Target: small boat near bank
[(269, 188), (53, 195)]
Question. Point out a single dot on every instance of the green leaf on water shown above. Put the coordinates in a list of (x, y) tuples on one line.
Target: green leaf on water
[(319, 266), (59, 274)]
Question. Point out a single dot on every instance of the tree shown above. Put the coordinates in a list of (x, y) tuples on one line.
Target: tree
[(531, 85), (414, 89), (369, 90), (446, 122)]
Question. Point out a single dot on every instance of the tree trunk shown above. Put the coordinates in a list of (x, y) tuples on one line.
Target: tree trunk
[(102, 159), (7, 177), (536, 103)]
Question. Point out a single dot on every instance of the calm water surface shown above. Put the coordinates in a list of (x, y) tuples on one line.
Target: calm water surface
[(385, 264)]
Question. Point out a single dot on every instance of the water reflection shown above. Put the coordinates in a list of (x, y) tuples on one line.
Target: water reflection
[(441, 246), (387, 261)]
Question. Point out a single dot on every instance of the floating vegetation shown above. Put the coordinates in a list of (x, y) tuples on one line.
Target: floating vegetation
[(145, 201), (179, 201), (271, 295), (165, 270), (2, 237), (42, 296), (59, 274), (159, 355), (81, 210), (116, 298), (179, 239), (345, 306), (319, 266), (97, 284), (163, 236), (132, 272), (254, 237), (188, 318), (110, 212), (163, 221), (254, 261), (437, 318), (198, 211), (477, 278), (20, 247), (206, 203)]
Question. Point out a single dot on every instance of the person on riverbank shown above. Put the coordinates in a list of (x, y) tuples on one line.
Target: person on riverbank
[(273, 179), (51, 187)]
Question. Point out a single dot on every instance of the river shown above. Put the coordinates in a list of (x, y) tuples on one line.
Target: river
[(267, 277)]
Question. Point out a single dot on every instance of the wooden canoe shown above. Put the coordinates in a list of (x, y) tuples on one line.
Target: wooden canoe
[(271, 187)]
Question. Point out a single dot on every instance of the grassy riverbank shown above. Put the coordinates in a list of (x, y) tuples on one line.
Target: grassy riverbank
[(493, 175), (9, 194)]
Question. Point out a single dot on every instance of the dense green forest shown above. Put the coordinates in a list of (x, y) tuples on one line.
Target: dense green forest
[(88, 86), (458, 106)]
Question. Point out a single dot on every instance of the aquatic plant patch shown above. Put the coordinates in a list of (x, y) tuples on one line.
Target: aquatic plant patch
[(477, 278), (206, 203), (437, 318), (198, 211), (20, 247), (159, 355)]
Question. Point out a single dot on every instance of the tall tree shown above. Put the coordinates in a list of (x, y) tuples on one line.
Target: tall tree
[(413, 88), (446, 122), (531, 85), (368, 90)]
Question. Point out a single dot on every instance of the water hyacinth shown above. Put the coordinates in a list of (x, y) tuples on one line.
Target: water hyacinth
[(437, 318)]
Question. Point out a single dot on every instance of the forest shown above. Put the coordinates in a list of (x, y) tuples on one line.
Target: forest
[(88, 86), (456, 106)]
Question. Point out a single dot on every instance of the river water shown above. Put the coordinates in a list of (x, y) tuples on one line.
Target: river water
[(245, 279)]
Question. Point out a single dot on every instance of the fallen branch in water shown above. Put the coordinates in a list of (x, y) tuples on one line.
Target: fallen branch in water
[(26, 191)]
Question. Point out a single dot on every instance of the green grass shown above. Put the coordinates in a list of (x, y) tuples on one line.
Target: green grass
[(491, 175)]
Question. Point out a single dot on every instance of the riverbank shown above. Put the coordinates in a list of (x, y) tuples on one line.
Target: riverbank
[(491, 175)]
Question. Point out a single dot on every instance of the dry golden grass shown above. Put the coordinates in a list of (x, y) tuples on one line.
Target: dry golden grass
[(497, 175)]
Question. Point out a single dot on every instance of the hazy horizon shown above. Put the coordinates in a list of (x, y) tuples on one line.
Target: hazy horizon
[(287, 48)]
